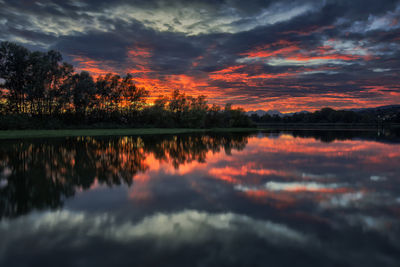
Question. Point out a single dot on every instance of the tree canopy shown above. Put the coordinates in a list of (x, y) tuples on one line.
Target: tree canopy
[(42, 91)]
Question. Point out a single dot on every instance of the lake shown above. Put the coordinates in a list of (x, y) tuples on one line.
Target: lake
[(278, 198)]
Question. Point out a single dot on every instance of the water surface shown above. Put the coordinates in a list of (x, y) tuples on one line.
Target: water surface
[(302, 198)]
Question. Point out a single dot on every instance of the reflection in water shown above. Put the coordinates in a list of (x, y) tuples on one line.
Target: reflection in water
[(41, 173), (174, 229), (275, 198)]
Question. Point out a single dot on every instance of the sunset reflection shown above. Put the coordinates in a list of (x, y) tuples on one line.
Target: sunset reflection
[(279, 170), (290, 190)]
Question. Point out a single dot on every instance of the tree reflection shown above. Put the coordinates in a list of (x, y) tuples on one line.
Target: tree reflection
[(40, 174), (327, 136)]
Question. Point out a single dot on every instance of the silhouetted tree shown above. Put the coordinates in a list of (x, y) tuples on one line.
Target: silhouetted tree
[(83, 91), (14, 64)]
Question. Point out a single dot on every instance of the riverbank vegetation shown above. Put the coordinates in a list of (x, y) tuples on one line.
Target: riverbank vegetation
[(329, 116), (39, 91)]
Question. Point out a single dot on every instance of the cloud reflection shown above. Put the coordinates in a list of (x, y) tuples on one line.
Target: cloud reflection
[(203, 200), (165, 229)]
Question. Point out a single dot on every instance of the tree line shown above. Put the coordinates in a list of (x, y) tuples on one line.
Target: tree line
[(329, 115), (39, 90)]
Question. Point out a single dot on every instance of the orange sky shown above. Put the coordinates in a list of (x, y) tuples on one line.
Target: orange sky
[(284, 55), (249, 75)]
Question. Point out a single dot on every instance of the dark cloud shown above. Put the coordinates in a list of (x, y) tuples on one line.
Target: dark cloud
[(342, 50)]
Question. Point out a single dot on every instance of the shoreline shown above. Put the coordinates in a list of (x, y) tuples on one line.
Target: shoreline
[(22, 134), (52, 133)]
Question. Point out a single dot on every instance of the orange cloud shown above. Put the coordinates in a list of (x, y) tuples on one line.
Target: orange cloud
[(260, 52), (292, 51), (94, 67), (238, 77)]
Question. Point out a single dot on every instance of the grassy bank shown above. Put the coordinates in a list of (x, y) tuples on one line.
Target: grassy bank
[(16, 134)]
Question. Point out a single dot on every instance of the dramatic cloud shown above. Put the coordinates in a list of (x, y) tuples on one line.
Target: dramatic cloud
[(285, 55)]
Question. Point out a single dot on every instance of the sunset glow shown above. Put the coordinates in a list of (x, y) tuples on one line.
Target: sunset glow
[(290, 56)]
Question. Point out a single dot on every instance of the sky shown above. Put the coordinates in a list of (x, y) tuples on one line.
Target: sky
[(287, 55)]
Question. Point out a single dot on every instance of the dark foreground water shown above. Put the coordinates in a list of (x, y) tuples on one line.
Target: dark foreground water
[(267, 199)]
